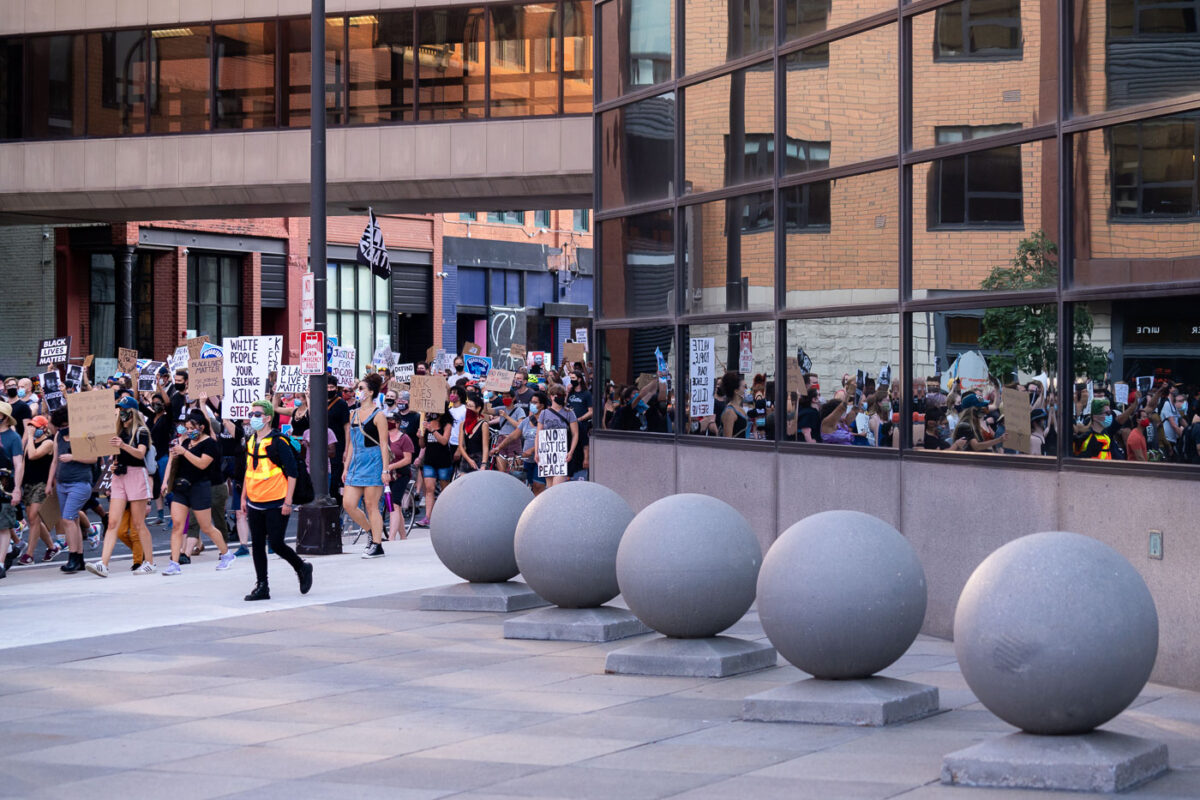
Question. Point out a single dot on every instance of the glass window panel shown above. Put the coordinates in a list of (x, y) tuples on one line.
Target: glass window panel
[(1000, 77), (743, 387), (841, 242), (826, 402), (472, 287), (365, 345), (539, 289), (524, 55), (610, 68), (364, 287), (638, 265), (12, 88), (331, 286), (638, 152), (1151, 383), (729, 128), (54, 87), (577, 57), (209, 322), (496, 287), (541, 219), (297, 71), (841, 105), (983, 210), (231, 277), (634, 395), (717, 31), (383, 294), (116, 83), (1009, 350), (512, 288), (331, 324), (729, 254), (1137, 202), (209, 279), (245, 55), (647, 42), (382, 67), (1129, 52), (346, 295), (349, 329), (231, 321), (452, 74), (179, 80)]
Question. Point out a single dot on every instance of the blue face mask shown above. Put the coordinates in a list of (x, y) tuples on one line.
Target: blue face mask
[(180, 430), (20, 392), (193, 434), (296, 403), (257, 423), (1108, 420)]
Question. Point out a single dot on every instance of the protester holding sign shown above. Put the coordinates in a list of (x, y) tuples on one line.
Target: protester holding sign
[(558, 417), (130, 488), (195, 459), (365, 473), (71, 481)]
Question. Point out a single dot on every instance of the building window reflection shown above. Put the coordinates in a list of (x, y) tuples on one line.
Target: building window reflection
[(978, 29), (979, 189), (117, 90), (245, 62), (1155, 174), (180, 96)]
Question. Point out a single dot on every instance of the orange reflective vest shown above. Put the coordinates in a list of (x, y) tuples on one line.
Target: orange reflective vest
[(265, 481)]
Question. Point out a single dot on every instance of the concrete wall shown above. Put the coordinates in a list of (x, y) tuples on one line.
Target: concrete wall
[(954, 514), (27, 274)]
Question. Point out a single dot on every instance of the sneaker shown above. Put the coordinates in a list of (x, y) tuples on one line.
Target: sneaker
[(242, 551), (184, 558), (373, 551), (26, 560), (423, 523), (146, 569), (226, 561), (97, 568), (172, 569), (3, 572), (306, 576), (51, 553)]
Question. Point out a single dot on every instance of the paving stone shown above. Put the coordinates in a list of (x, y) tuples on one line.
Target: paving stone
[(520, 747), (591, 783), (442, 774), (498, 597), (702, 758)]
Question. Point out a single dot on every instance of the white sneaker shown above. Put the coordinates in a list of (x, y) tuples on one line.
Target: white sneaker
[(145, 569), (97, 568)]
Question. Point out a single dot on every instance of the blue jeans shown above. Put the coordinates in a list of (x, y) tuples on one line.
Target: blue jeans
[(441, 473), (72, 497)]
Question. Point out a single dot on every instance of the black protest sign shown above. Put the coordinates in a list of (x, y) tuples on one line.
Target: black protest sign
[(54, 351)]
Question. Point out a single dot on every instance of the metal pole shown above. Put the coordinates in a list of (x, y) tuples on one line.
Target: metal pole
[(317, 384)]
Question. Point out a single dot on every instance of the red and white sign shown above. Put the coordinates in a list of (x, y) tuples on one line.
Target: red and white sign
[(312, 352), (308, 301), (746, 353)]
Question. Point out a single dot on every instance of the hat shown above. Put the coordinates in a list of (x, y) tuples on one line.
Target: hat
[(6, 411), (1038, 415), (127, 402), (1098, 406), (39, 421), (972, 400), (267, 409)]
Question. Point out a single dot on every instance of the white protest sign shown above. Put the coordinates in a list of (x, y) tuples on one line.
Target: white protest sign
[(405, 372), (746, 352), (342, 366), (245, 371), (180, 359), (971, 369), (383, 355), (581, 336), (291, 380), (274, 351), (1121, 393), (552, 452), (702, 366)]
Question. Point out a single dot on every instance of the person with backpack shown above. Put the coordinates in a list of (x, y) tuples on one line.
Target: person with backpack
[(12, 464), (267, 493), (130, 487)]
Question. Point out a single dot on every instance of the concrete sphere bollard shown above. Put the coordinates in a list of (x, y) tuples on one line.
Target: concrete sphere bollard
[(1056, 633), (567, 541), (841, 594), (473, 524), (687, 566)]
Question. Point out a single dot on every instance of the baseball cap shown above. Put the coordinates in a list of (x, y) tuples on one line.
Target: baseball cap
[(127, 402), (39, 421)]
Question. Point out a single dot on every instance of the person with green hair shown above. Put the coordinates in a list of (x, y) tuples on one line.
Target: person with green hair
[(267, 498)]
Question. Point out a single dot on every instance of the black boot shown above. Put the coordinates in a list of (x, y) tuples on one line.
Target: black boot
[(305, 574), (74, 563), (261, 592)]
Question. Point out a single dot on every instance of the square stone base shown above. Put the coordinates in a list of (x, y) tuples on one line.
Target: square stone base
[(1100, 761), (498, 597), (712, 657), (603, 624), (868, 702)]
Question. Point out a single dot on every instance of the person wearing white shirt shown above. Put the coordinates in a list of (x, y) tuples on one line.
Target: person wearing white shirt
[(458, 411), (459, 374)]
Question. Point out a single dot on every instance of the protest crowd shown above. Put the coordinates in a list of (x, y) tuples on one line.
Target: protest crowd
[(223, 465)]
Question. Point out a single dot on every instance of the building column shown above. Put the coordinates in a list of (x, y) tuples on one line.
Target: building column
[(123, 262)]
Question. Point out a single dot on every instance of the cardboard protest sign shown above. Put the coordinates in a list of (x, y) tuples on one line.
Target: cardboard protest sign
[(207, 376), (291, 380), (51, 512), (477, 366), (702, 367), (404, 372), (574, 352), (93, 424), (87, 362), (397, 386), (427, 394), (342, 366), (127, 359), (645, 379), (517, 351), (1015, 405), (499, 380), (245, 371), (194, 346), (54, 351), (552, 452), (471, 349), (74, 377), (1121, 393)]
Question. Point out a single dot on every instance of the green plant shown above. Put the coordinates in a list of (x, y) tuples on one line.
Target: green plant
[(1025, 338)]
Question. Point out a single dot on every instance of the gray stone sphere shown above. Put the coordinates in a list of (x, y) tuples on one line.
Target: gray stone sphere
[(473, 524), (841, 594), (687, 565), (1056, 633), (567, 541)]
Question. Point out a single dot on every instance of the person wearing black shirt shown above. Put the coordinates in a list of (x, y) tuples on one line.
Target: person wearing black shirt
[(339, 422), (580, 401), (162, 428), (808, 418), (130, 489), (192, 465), (178, 394)]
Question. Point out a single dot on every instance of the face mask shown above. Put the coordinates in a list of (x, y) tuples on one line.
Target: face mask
[(360, 396), (11, 392), (180, 430), (296, 403), (1108, 420), (402, 406), (487, 395), (20, 392), (886, 409), (257, 423), (391, 401), (39, 432), (533, 408), (157, 408), (178, 387), (125, 414), (193, 434), (333, 392), (458, 367), (747, 396)]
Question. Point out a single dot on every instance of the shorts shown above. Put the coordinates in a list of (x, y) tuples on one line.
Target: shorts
[(8, 518), (441, 473), (531, 473), (134, 485), (72, 497), (196, 496), (34, 493), (235, 494)]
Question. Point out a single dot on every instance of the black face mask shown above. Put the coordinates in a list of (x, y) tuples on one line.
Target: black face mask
[(390, 402), (333, 392), (179, 387), (11, 392)]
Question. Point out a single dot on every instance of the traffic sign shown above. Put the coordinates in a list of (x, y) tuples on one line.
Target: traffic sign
[(312, 352)]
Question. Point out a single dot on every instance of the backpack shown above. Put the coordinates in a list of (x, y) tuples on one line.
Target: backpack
[(303, 493)]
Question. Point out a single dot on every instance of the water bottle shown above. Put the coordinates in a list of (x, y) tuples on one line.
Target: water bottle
[(387, 498)]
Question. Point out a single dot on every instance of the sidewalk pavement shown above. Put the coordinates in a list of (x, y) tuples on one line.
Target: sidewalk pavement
[(144, 686)]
